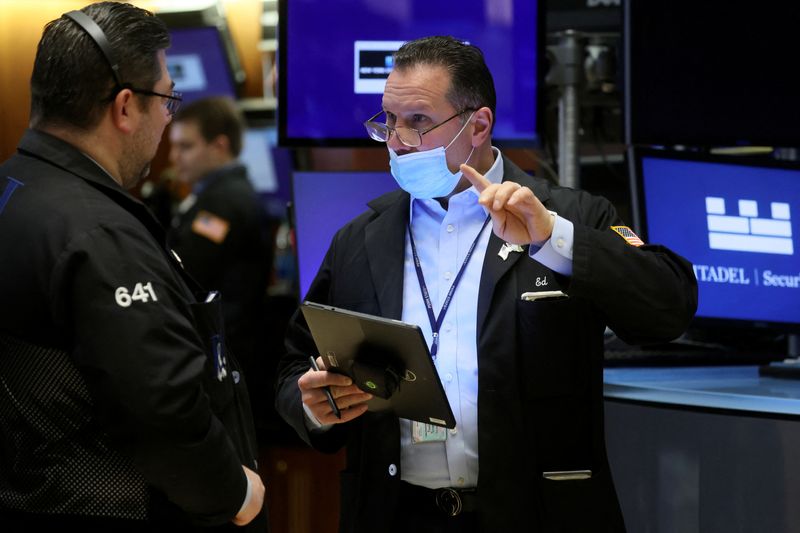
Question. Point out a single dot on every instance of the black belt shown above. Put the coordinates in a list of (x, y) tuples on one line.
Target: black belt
[(447, 500)]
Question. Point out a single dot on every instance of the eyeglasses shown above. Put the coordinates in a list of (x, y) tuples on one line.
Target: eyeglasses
[(172, 104), (173, 100), (88, 25), (410, 137)]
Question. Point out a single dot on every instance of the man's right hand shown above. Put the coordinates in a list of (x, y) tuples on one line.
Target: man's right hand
[(350, 400), (253, 507)]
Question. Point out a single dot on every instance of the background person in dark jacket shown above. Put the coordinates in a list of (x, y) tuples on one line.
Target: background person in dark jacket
[(119, 408), (220, 230)]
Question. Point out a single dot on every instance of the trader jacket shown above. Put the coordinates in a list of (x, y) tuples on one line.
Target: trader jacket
[(117, 399), (222, 242), (540, 398)]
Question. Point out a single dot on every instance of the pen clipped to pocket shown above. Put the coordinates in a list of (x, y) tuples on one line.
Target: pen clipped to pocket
[(543, 295)]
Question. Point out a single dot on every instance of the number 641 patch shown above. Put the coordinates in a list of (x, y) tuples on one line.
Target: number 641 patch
[(141, 293)]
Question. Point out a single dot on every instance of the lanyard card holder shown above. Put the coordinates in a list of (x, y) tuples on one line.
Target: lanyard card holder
[(223, 380)]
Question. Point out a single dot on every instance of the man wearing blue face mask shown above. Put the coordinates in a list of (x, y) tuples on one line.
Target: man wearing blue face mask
[(514, 318), (422, 174)]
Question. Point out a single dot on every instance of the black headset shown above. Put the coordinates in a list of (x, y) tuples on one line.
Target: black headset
[(96, 33)]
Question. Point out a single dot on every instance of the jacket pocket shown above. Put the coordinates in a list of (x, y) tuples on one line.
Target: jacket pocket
[(566, 503), (581, 505), (552, 344)]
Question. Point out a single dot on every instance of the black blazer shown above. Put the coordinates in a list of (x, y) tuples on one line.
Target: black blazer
[(540, 400)]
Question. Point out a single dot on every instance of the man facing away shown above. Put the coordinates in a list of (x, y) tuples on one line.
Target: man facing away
[(120, 409), (454, 252)]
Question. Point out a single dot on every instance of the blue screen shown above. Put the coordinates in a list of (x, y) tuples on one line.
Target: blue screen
[(738, 225), (323, 203), (197, 63), (336, 56)]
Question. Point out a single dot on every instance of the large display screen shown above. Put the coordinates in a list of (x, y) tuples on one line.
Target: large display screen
[(736, 222), (323, 203), (335, 56)]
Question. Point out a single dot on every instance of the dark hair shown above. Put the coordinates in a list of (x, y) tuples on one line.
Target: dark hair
[(471, 82), (72, 82), (215, 116)]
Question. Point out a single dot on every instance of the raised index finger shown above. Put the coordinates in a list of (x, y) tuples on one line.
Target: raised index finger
[(475, 178)]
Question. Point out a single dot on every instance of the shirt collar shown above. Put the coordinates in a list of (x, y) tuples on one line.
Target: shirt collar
[(101, 167), (495, 172)]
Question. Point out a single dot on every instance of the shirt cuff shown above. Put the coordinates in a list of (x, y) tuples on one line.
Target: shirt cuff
[(556, 252), (312, 424), (247, 495)]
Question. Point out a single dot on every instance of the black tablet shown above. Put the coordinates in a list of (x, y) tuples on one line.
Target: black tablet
[(385, 357)]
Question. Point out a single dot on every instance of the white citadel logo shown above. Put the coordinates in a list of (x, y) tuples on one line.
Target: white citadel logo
[(747, 232)]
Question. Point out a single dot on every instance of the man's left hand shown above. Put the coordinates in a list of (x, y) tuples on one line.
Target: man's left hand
[(518, 217)]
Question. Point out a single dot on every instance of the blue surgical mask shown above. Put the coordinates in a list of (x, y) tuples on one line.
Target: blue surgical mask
[(425, 175)]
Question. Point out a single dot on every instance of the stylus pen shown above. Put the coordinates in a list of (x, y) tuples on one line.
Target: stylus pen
[(327, 390)]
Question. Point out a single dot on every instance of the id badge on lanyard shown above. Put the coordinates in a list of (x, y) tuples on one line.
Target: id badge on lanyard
[(421, 432)]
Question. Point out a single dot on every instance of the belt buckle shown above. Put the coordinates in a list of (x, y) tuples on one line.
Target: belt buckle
[(449, 501)]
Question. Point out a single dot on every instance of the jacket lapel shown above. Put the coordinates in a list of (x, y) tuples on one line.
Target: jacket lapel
[(494, 267), (385, 247)]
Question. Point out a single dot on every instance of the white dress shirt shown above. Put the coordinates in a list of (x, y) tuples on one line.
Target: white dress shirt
[(442, 238)]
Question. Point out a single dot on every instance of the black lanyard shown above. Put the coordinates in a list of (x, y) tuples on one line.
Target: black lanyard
[(436, 323)]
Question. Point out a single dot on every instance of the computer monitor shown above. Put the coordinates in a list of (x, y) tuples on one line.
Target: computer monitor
[(198, 63), (268, 167), (323, 203), (737, 221), (202, 60), (335, 56), (710, 73)]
